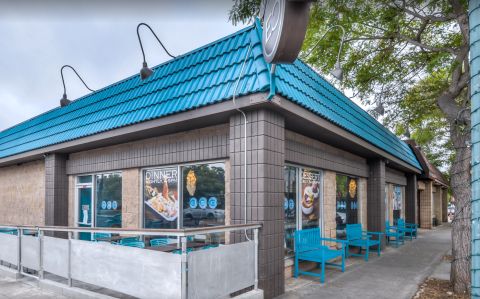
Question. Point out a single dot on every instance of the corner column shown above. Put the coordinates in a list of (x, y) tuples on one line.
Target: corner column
[(438, 203), (426, 206), (411, 199), (265, 183), (376, 199), (56, 193)]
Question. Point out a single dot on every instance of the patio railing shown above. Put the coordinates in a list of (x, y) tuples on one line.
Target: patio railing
[(142, 273)]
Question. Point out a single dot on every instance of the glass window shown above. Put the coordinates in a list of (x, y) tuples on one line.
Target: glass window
[(109, 200), (397, 203), (386, 203), (310, 198), (203, 195), (161, 198), (290, 207), (347, 203), (86, 179)]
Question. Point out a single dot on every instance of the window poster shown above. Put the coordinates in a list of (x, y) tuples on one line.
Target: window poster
[(397, 198), (161, 198), (310, 198)]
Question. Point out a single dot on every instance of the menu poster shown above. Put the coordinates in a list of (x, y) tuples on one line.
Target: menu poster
[(160, 196), (310, 195)]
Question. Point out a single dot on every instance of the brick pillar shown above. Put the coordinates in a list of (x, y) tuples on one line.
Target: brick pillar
[(411, 199), (56, 192), (444, 205), (376, 198), (265, 198), (438, 203), (426, 206)]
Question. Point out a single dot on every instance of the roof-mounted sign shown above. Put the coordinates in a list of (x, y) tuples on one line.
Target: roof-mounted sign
[(284, 27)]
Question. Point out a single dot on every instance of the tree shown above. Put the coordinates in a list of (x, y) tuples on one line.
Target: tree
[(412, 55)]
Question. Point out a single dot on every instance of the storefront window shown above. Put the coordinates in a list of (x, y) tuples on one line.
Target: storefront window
[(203, 191), (347, 203), (310, 198), (397, 203), (109, 200), (290, 207), (161, 198), (86, 179)]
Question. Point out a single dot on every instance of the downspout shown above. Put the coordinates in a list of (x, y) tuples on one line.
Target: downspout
[(474, 19), (245, 121)]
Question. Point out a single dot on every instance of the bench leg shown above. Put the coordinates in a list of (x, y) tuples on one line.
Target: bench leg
[(296, 267), (319, 265), (379, 247), (343, 262), (415, 233), (346, 253), (403, 239), (397, 240), (323, 271), (368, 249)]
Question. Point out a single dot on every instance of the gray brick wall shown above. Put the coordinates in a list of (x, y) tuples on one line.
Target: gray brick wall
[(376, 199), (299, 153), (411, 199), (56, 192), (199, 149), (265, 171)]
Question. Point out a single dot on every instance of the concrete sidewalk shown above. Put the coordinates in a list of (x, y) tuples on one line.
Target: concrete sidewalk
[(397, 273)]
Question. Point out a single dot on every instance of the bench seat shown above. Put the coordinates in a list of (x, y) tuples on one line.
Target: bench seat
[(394, 232), (357, 237)]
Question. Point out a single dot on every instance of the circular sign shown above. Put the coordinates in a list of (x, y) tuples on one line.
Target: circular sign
[(284, 27), (114, 205), (291, 204), (212, 202), (285, 204), (109, 205), (193, 203), (104, 204), (202, 203)]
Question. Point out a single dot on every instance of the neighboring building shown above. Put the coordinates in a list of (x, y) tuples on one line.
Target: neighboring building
[(432, 191), (168, 153)]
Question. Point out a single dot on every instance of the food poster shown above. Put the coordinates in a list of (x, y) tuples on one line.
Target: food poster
[(397, 203), (310, 198), (161, 198)]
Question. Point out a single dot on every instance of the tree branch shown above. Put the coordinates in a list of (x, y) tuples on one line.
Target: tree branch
[(431, 18)]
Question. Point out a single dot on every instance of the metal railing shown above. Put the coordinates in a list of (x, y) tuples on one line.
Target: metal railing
[(208, 273)]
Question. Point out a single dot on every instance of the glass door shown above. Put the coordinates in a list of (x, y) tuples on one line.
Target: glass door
[(85, 207)]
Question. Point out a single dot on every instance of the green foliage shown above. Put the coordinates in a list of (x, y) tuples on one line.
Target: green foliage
[(389, 56), (244, 11)]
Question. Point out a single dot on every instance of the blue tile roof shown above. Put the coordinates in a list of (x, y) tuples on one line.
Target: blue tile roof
[(201, 77)]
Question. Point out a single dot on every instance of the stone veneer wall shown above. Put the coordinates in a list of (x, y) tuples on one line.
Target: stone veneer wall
[(363, 203), (131, 198), (437, 198), (444, 205), (22, 194), (426, 205), (329, 207)]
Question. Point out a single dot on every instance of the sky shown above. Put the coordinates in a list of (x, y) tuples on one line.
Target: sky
[(96, 37)]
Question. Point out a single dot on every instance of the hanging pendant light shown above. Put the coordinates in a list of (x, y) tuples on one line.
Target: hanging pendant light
[(379, 109), (337, 72), (146, 72), (64, 101)]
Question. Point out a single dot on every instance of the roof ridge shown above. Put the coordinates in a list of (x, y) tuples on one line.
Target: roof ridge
[(128, 78)]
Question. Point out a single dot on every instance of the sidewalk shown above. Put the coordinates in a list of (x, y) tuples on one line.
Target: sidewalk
[(397, 273)]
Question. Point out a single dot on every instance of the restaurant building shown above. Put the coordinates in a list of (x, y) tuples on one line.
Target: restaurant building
[(168, 152)]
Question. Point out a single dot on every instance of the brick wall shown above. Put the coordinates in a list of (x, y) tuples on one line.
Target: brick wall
[(131, 198), (329, 207), (56, 193), (22, 194), (376, 198), (411, 199), (437, 198), (364, 196), (266, 162), (444, 205), (426, 206)]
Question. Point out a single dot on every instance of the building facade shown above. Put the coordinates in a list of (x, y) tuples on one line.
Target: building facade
[(169, 152)]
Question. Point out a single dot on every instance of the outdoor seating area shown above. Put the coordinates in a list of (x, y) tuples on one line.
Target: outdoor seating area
[(309, 245)]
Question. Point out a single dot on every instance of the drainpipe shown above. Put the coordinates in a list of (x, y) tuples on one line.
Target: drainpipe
[(474, 19)]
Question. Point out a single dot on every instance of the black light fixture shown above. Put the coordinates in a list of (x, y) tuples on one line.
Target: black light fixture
[(418, 147), (64, 101), (407, 133), (145, 72), (337, 72), (379, 109)]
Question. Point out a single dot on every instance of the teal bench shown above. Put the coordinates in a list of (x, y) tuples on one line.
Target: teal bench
[(393, 232), (410, 228), (308, 247), (357, 237)]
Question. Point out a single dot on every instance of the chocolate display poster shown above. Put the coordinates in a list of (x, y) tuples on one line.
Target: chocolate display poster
[(310, 195), (161, 197)]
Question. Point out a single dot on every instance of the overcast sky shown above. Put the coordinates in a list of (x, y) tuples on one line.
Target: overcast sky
[(96, 37)]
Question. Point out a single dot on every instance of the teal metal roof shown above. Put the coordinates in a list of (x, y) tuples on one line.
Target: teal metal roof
[(202, 77)]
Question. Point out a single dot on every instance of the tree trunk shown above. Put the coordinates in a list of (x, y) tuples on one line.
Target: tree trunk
[(460, 180)]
